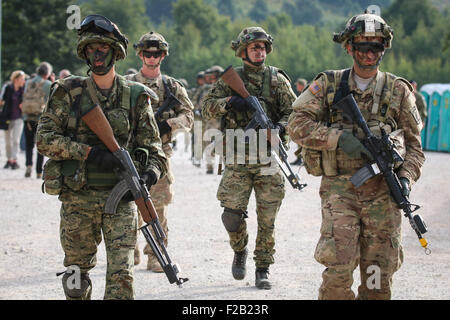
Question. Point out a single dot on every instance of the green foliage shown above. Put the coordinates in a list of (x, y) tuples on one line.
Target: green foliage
[(36, 31), (200, 32)]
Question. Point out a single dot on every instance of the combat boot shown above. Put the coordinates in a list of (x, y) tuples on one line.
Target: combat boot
[(153, 264), (262, 278), (238, 268)]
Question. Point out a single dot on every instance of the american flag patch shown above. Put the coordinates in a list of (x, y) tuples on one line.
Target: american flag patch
[(314, 88)]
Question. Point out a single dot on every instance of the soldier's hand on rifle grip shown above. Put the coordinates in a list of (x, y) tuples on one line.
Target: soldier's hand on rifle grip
[(149, 178), (352, 146), (103, 158), (237, 104), (405, 186), (163, 127), (281, 129)]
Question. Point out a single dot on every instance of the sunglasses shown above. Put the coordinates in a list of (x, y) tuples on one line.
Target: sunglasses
[(154, 54), (365, 47)]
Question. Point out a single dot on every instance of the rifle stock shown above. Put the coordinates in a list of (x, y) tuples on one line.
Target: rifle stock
[(232, 79), (96, 121)]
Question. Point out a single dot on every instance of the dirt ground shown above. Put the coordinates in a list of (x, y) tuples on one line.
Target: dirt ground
[(31, 254)]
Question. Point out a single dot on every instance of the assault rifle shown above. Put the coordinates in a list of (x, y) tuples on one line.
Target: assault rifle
[(169, 103), (131, 182), (260, 120), (384, 155)]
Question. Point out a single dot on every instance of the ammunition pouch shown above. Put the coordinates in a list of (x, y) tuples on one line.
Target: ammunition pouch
[(313, 161), (74, 174), (53, 178)]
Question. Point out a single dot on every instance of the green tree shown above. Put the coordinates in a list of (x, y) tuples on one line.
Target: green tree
[(35, 32)]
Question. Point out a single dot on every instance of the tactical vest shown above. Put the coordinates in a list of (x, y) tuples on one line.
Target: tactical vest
[(77, 174), (265, 95), (332, 162)]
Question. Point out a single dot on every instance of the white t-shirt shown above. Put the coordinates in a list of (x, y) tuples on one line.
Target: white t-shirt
[(362, 83)]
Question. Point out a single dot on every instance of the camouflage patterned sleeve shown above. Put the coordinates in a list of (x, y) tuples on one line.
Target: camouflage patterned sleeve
[(409, 120), (306, 124), (215, 101), (147, 137), (285, 98), (51, 139), (184, 113)]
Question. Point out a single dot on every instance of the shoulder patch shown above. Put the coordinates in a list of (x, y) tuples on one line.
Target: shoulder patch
[(315, 87)]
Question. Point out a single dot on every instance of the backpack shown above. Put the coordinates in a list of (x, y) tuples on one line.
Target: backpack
[(34, 98)]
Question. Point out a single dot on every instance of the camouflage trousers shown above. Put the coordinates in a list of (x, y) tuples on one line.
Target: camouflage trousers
[(234, 192), (83, 222), (208, 145), (359, 227)]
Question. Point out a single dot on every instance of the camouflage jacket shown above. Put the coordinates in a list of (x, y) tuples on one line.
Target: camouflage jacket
[(277, 104), (309, 124), (179, 118), (56, 142)]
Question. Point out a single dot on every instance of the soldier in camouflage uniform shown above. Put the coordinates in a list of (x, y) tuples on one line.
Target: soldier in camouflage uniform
[(359, 226), (196, 142), (272, 88), (83, 172), (420, 102), (211, 76), (152, 48)]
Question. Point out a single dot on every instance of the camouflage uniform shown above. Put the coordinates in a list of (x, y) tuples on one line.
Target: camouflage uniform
[(421, 106), (85, 187), (180, 117), (359, 226), (211, 76), (239, 180)]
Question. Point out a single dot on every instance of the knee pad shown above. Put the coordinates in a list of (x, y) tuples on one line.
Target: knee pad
[(77, 285), (232, 219)]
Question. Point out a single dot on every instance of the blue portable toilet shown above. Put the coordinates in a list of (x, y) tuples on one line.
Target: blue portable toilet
[(433, 122), (444, 124), (437, 129)]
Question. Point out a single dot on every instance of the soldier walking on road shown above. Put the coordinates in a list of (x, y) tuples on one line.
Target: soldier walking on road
[(272, 88), (359, 226), (82, 171), (152, 48)]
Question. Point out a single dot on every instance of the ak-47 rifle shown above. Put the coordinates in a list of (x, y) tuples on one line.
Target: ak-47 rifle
[(384, 155), (130, 181), (260, 120)]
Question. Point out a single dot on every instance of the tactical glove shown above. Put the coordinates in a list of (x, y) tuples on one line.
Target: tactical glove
[(103, 158), (238, 104), (352, 146), (149, 178), (281, 129), (163, 127), (405, 186)]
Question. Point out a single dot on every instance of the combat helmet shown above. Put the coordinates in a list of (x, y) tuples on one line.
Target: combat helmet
[(249, 35), (97, 28), (366, 24), (152, 40), (215, 70)]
